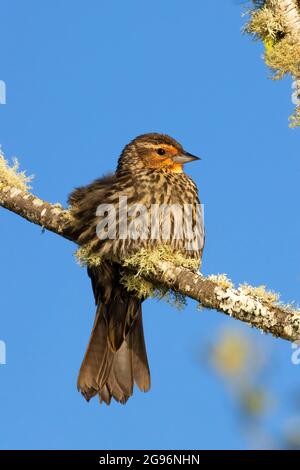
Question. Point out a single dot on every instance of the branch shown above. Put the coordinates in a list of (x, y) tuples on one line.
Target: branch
[(291, 16), (243, 303), (49, 216), (277, 24)]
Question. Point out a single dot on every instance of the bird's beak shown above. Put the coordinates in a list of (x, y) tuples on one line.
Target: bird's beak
[(185, 158)]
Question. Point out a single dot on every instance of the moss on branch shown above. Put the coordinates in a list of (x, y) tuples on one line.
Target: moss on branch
[(277, 24), (11, 176)]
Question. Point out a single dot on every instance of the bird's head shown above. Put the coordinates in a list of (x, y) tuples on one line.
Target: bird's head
[(154, 151)]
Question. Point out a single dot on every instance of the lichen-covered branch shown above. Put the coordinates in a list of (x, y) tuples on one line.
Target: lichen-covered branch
[(243, 303), (15, 196), (252, 305), (291, 17), (277, 24), (49, 216)]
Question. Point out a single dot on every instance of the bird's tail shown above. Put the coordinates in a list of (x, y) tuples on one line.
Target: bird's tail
[(116, 355)]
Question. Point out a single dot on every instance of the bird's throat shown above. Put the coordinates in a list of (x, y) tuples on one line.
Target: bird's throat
[(175, 168)]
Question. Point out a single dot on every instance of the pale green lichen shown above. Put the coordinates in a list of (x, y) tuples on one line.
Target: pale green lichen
[(142, 289), (145, 260), (141, 263), (137, 285), (284, 58), (282, 50), (85, 256), (265, 24), (11, 176)]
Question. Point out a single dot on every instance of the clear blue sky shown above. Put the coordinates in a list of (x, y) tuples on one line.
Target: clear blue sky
[(83, 78)]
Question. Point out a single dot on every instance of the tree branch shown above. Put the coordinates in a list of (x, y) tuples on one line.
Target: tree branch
[(291, 15), (49, 216), (277, 24), (243, 303)]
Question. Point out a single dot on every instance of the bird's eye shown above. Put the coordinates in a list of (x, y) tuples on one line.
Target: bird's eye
[(160, 151)]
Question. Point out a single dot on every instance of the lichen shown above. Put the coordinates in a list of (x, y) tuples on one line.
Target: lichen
[(254, 304), (248, 299), (257, 306), (142, 289), (265, 24), (260, 292), (85, 256), (234, 301), (292, 329), (137, 285), (282, 50), (145, 260), (141, 263), (270, 297), (222, 280), (295, 118), (284, 58), (11, 176)]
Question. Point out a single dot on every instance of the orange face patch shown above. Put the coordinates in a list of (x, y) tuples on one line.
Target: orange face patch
[(165, 161)]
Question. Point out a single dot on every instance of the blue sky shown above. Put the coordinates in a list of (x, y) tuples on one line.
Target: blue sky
[(83, 78)]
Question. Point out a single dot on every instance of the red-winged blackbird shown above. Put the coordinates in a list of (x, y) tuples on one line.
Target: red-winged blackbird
[(149, 172)]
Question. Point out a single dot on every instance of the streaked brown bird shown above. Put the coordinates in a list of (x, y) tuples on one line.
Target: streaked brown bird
[(149, 173)]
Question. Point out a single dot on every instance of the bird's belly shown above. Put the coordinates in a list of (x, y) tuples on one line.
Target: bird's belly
[(167, 222)]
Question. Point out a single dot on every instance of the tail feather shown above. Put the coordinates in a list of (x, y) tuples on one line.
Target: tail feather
[(94, 359), (112, 372), (120, 380), (140, 365)]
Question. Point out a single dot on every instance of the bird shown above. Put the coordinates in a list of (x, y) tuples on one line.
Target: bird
[(150, 172)]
